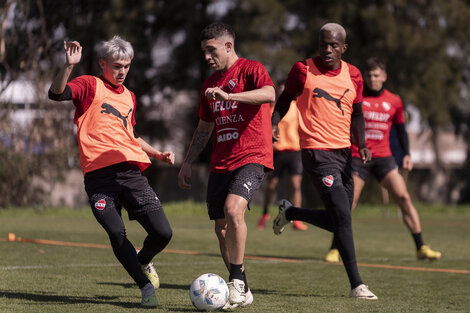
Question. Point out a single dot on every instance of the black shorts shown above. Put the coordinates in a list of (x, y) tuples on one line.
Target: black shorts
[(329, 169), (119, 185), (379, 167), (290, 161), (243, 182)]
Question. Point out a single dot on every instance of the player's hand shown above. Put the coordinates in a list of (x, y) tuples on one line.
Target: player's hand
[(216, 93), (365, 154), (276, 134), (184, 176), (167, 157), (407, 164), (73, 52)]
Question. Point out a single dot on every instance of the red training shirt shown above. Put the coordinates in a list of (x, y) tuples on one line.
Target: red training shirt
[(380, 112), (242, 132)]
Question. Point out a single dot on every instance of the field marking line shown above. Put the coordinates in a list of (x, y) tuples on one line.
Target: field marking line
[(412, 268), (12, 238)]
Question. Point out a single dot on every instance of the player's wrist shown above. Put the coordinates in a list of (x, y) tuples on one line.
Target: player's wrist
[(229, 96)]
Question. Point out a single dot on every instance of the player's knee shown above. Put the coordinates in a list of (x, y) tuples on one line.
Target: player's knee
[(220, 230), (166, 235), (117, 235), (403, 199)]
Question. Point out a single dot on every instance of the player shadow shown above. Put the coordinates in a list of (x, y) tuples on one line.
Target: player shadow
[(275, 257), (132, 285), (123, 285), (64, 299), (174, 286)]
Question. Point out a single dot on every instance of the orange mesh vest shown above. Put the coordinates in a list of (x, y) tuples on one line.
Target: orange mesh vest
[(105, 132), (289, 130), (325, 107)]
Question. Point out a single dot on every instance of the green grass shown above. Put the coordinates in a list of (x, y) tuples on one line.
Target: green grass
[(45, 278)]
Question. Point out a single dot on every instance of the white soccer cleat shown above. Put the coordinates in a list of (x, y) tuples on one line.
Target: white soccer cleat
[(362, 292), (248, 298), (280, 221), (236, 289)]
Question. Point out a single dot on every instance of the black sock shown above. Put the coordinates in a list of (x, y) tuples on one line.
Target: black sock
[(235, 272), (244, 280), (418, 240)]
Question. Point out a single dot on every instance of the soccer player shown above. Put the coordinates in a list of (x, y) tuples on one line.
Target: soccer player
[(382, 109), (235, 107), (329, 96), (112, 158), (287, 157)]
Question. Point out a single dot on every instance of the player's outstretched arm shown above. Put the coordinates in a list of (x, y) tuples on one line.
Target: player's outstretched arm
[(73, 54), (265, 94), (200, 138), (165, 157)]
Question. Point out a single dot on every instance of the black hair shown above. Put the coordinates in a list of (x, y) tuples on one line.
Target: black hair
[(374, 63), (216, 30)]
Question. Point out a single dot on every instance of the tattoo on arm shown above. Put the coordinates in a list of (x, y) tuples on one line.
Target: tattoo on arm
[(200, 139)]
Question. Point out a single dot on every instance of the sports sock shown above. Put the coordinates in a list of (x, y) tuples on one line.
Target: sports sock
[(244, 280), (236, 271), (147, 290), (418, 240)]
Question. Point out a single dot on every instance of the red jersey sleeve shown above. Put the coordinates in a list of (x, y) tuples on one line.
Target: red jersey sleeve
[(83, 92), (259, 75), (356, 78), (399, 117), (204, 110), (296, 79), (135, 107)]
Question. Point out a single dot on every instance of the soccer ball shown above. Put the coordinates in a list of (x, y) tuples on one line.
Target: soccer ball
[(208, 292)]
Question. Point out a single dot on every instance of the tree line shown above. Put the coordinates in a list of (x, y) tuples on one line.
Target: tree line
[(425, 44)]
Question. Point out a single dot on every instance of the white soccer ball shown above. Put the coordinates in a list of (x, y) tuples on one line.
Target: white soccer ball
[(208, 292)]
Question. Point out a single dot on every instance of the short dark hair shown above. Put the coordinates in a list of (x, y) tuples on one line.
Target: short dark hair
[(374, 63), (216, 30)]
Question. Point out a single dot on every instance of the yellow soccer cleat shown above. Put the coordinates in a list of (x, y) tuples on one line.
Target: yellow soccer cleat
[(426, 253), (332, 256), (151, 274)]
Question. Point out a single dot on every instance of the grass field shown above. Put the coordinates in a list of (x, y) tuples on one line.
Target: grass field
[(285, 273)]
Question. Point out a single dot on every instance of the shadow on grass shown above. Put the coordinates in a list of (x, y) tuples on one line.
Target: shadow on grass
[(123, 285), (64, 299)]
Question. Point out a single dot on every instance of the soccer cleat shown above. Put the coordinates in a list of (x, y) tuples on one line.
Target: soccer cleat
[(281, 221), (332, 256), (228, 306), (236, 289), (248, 298), (262, 221), (362, 292), (425, 252), (151, 274), (150, 301), (298, 225)]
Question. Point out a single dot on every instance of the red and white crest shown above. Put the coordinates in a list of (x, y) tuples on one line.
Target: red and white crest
[(100, 204), (232, 83), (328, 180)]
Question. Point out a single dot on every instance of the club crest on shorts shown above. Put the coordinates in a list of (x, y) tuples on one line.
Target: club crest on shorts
[(328, 180), (100, 204)]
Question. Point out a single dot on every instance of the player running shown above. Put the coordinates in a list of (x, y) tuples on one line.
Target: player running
[(112, 158), (329, 96), (235, 107), (382, 109)]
